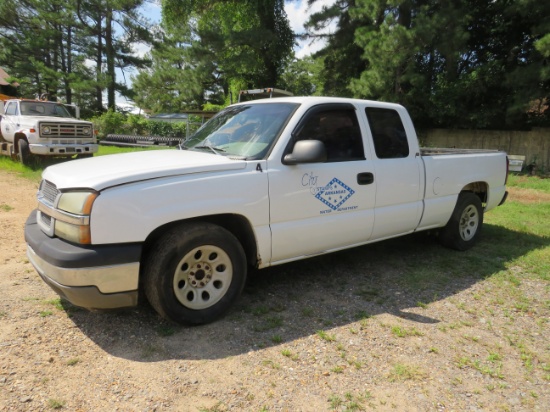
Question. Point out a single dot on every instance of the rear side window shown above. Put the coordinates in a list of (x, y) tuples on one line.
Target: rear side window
[(388, 133)]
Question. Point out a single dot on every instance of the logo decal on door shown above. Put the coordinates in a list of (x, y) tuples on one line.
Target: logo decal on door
[(334, 194)]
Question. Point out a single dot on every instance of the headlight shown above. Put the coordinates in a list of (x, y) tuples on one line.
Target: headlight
[(74, 222), (78, 203), (46, 130), (87, 130)]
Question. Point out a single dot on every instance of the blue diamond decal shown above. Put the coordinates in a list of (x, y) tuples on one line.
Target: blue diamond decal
[(335, 194)]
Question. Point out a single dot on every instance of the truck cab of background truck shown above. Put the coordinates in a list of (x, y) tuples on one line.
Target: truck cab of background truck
[(43, 128)]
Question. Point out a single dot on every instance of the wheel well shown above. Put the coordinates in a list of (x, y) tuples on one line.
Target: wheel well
[(479, 188), (238, 225), (16, 138)]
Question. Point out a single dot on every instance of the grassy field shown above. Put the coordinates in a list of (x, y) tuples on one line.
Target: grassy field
[(107, 150), (523, 222), (35, 172)]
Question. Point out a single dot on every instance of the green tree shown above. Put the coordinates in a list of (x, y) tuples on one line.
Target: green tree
[(466, 63), (175, 81), (341, 59), (37, 45), (225, 46), (301, 76), (46, 45), (111, 27)]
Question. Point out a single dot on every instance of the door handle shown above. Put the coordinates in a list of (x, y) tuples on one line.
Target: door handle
[(365, 178)]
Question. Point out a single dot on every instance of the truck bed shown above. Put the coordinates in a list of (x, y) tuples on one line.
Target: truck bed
[(435, 151)]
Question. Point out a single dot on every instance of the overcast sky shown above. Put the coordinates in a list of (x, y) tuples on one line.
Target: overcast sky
[(298, 13)]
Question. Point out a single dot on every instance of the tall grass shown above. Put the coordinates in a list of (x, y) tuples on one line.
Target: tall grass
[(12, 166), (529, 182)]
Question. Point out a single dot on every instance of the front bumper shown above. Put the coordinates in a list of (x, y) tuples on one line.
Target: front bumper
[(93, 277), (63, 149)]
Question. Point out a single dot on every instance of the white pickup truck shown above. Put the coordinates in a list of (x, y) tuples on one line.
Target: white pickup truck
[(262, 183), (32, 128)]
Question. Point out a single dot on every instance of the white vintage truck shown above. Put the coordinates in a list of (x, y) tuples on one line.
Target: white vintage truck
[(32, 128), (261, 184)]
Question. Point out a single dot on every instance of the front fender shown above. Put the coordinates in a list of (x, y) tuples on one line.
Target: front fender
[(29, 133), (20, 134), (130, 213)]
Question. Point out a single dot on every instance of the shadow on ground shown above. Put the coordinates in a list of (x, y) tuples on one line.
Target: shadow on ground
[(295, 300)]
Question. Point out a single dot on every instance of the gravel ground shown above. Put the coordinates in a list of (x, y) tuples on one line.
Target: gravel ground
[(339, 332)]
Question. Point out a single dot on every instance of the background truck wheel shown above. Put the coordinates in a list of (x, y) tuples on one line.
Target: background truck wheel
[(462, 230), (24, 152), (194, 273)]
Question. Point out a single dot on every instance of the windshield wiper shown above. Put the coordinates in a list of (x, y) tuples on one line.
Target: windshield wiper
[(215, 150)]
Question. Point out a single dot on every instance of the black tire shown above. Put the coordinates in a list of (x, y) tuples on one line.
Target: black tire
[(195, 273), (25, 156), (464, 227)]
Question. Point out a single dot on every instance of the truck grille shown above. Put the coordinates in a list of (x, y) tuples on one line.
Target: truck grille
[(48, 191), (66, 130)]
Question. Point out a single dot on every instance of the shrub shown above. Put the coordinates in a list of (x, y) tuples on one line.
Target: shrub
[(118, 123), (109, 122), (137, 124)]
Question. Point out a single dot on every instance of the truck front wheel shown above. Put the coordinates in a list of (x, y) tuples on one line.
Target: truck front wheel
[(24, 152), (194, 273), (462, 230)]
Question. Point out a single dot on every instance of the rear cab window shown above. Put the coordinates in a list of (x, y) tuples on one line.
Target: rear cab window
[(388, 133)]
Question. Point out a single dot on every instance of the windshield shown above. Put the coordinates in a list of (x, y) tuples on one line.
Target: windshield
[(245, 131), (43, 109)]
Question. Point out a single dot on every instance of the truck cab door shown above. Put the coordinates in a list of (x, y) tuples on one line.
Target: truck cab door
[(322, 202), (9, 121)]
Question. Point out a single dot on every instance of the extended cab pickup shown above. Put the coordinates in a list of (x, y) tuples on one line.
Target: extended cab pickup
[(262, 183), (32, 128)]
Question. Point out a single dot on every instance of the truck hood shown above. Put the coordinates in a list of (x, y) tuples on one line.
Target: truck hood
[(53, 119), (31, 121), (102, 172), (27, 122)]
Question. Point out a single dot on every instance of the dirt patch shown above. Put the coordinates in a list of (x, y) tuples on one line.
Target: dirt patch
[(528, 196), (348, 331)]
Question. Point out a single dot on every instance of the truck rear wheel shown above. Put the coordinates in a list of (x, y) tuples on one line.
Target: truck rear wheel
[(195, 273), (24, 152), (462, 230)]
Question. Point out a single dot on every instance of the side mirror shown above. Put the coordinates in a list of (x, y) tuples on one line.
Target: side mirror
[(306, 151)]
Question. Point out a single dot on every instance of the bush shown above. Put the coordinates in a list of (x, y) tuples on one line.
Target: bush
[(109, 122), (156, 128), (137, 124), (112, 122)]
